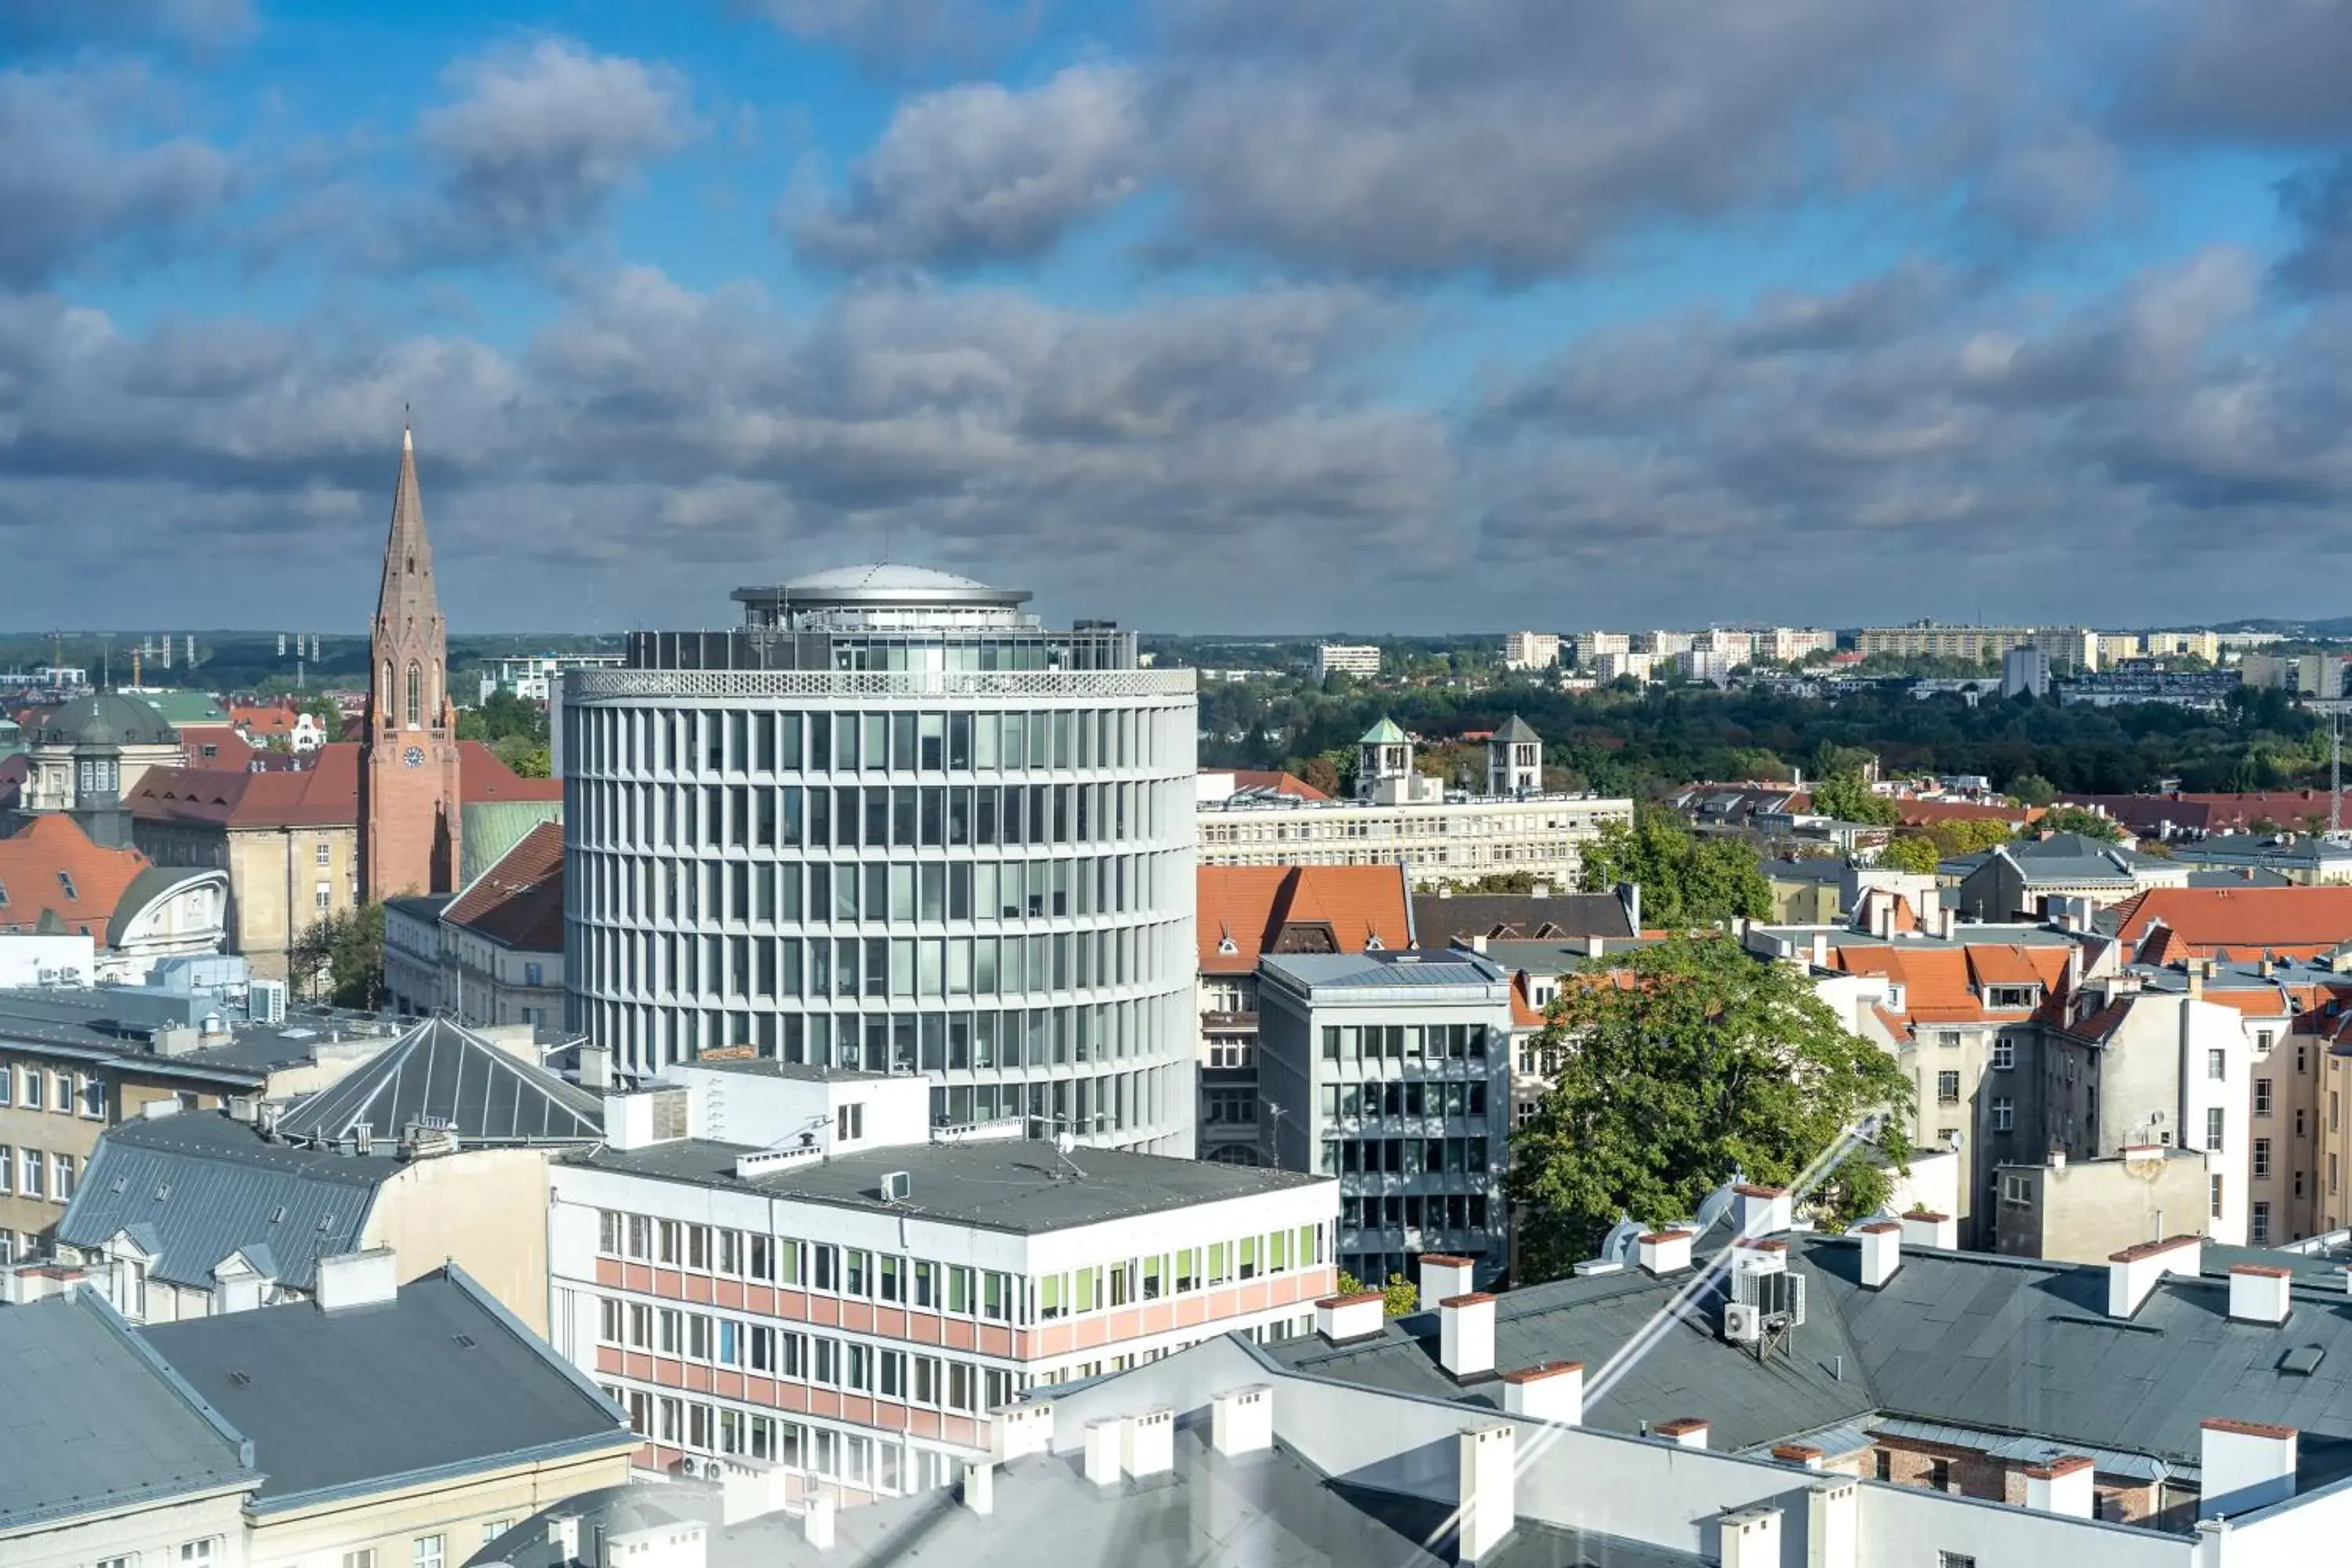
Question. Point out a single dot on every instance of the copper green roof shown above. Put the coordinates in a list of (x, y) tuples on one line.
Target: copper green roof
[(187, 707), (1384, 733), (492, 827)]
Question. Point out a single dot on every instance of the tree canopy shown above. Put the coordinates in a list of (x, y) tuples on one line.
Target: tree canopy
[(1709, 1061), (1914, 852), (1847, 797), (1686, 880), (2079, 820), (339, 960)]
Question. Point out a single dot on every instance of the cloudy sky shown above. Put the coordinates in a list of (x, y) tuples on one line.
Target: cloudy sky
[(1202, 314)]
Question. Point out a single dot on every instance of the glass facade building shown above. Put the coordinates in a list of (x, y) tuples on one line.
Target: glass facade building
[(891, 823)]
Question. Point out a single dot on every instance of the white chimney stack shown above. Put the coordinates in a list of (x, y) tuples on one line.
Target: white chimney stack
[(2245, 1466), (1751, 1538), (1761, 1211), (1821, 950), (1021, 1428), (816, 1522), (1665, 1251), (1242, 1420), (1489, 1501), (1149, 1445), (1803, 1453), (1443, 1276), (1465, 1336), (1834, 1523), (2133, 1272), (979, 1486), (2260, 1293), (563, 1534), (357, 1280), (1340, 1319), (1928, 1229), (2062, 1485), (1550, 1391), (1106, 1437), (1685, 1431), (1882, 1251)]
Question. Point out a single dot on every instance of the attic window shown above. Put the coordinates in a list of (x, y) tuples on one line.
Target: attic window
[(1373, 943), (162, 1192), (325, 1220), (116, 1188), (239, 1378), (278, 1213), (65, 881), (464, 1341), (1224, 944), (4, 895), (2303, 1361)]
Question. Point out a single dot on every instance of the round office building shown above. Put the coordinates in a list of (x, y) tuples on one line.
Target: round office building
[(892, 823)]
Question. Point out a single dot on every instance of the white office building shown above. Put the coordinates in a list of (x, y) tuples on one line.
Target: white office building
[(1530, 650), (1361, 659), (893, 823)]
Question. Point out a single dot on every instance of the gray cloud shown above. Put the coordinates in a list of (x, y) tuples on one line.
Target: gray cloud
[(535, 141), (979, 172), (895, 36), (2271, 73), (201, 25), (78, 174)]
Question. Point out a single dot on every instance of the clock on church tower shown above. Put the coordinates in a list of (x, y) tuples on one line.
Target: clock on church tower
[(410, 801)]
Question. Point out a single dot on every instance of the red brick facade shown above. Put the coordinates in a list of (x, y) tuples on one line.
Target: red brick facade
[(410, 814)]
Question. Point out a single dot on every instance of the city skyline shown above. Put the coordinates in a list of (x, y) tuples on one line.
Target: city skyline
[(1591, 315)]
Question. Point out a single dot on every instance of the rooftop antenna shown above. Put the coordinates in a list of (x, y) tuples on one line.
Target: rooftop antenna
[(1065, 1141), (2335, 770)]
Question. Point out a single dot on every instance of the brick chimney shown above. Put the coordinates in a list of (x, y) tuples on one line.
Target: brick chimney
[(1686, 1431), (2260, 1293), (1803, 1453), (1340, 1319), (2062, 1485), (2134, 1272), (1465, 1337), (1924, 1227), (2245, 1466), (1761, 1211), (1666, 1251), (1550, 1391), (1444, 1275), (1882, 1251)]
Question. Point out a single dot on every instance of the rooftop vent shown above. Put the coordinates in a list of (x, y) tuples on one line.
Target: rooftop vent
[(896, 1185)]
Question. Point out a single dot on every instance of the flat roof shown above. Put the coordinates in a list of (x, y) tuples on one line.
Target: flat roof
[(1362, 970), (1015, 1184), (771, 1067)]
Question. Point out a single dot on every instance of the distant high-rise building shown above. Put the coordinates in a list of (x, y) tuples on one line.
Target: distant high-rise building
[(1530, 650), (1361, 659)]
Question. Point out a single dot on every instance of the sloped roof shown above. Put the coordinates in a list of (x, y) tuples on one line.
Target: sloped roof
[(482, 776), (209, 1185), (230, 751), (1272, 781), (95, 1423), (1384, 733), (52, 869), (518, 902), (494, 827), (1251, 909), (1516, 731), (2302, 922), (444, 1075), (154, 883), (324, 794), (1451, 921), (441, 1379), (1944, 982), (1927, 812), (125, 721)]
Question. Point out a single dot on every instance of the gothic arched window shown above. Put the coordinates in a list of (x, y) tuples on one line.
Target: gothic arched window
[(415, 694)]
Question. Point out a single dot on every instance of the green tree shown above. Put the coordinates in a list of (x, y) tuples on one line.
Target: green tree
[(2031, 789), (1913, 852), (1847, 797), (502, 716), (2079, 820), (1711, 1060), (340, 959), (1686, 880), (1968, 835), (1401, 1297)]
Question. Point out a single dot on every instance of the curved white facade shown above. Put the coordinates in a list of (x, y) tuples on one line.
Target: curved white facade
[(984, 875)]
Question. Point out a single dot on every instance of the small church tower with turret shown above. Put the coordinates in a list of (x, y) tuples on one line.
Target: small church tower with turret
[(1514, 760), (410, 799)]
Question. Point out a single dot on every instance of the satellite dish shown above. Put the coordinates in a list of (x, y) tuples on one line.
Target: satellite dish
[(1064, 1142), (1714, 1205)]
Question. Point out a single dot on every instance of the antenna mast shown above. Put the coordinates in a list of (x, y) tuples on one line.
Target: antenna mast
[(2336, 770)]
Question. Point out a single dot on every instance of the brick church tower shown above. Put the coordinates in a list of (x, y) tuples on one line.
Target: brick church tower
[(409, 797)]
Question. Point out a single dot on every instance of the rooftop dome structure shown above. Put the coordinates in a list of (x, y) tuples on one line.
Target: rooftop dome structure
[(878, 595), (119, 719)]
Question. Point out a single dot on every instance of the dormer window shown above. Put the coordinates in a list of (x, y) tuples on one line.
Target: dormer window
[(2012, 997), (65, 881)]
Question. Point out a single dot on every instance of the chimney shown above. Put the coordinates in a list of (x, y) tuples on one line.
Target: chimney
[(2259, 1293), (1106, 1437), (1442, 1275), (1629, 895), (1550, 1391), (1478, 942), (1341, 1319), (1022, 1428), (363, 1138), (1489, 1481), (2246, 1465), (356, 1280), (1761, 1211), (1665, 1252), (1834, 1523), (1882, 1251), (1882, 917), (2062, 1485), (1924, 1227), (1465, 1337), (1821, 950), (1948, 921), (1803, 1453), (1596, 946), (1683, 1431), (563, 1534), (2057, 1159), (1149, 1445), (2134, 1272), (2196, 984), (816, 1522), (595, 1068), (979, 1486), (1751, 1538), (1242, 1421), (1540, 891)]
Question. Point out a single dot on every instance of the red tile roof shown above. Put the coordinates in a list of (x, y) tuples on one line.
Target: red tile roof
[(2207, 814), (482, 776), (324, 794), (1276, 781), (2200, 922), (1266, 909), (1944, 985), (263, 720), (229, 748), (1927, 812), (52, 866), (518, 902)]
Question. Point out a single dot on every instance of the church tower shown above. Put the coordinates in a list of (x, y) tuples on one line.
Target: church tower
[(409, 794)]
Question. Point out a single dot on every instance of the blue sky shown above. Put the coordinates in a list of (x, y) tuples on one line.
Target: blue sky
[(1202, 314)]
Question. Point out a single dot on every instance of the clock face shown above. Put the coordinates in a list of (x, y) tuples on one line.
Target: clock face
[(413, 756)]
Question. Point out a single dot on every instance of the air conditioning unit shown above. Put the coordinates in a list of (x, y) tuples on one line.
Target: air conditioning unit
[(1743, 1324), (266, 1001)]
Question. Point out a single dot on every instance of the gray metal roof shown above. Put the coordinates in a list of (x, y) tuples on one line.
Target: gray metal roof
[(93, 1422), (1011, 1185), (1353, 971), (1268, 1511), (348, 1402), (1440, 920), (205, 1185), (1516, 730), (444, 1075)]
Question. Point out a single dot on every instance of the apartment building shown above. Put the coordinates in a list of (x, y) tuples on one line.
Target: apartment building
[(2070, 647), (1530, 650), (2318, 675), (1359, 659), (1391, 1072), (788, 1265), (1591, 646), (1245, 913)]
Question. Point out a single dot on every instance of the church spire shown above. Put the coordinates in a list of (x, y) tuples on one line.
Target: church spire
[(407, 593)]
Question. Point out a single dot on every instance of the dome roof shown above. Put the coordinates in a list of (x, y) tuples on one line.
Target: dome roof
[(106, 718), (884, 575)]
